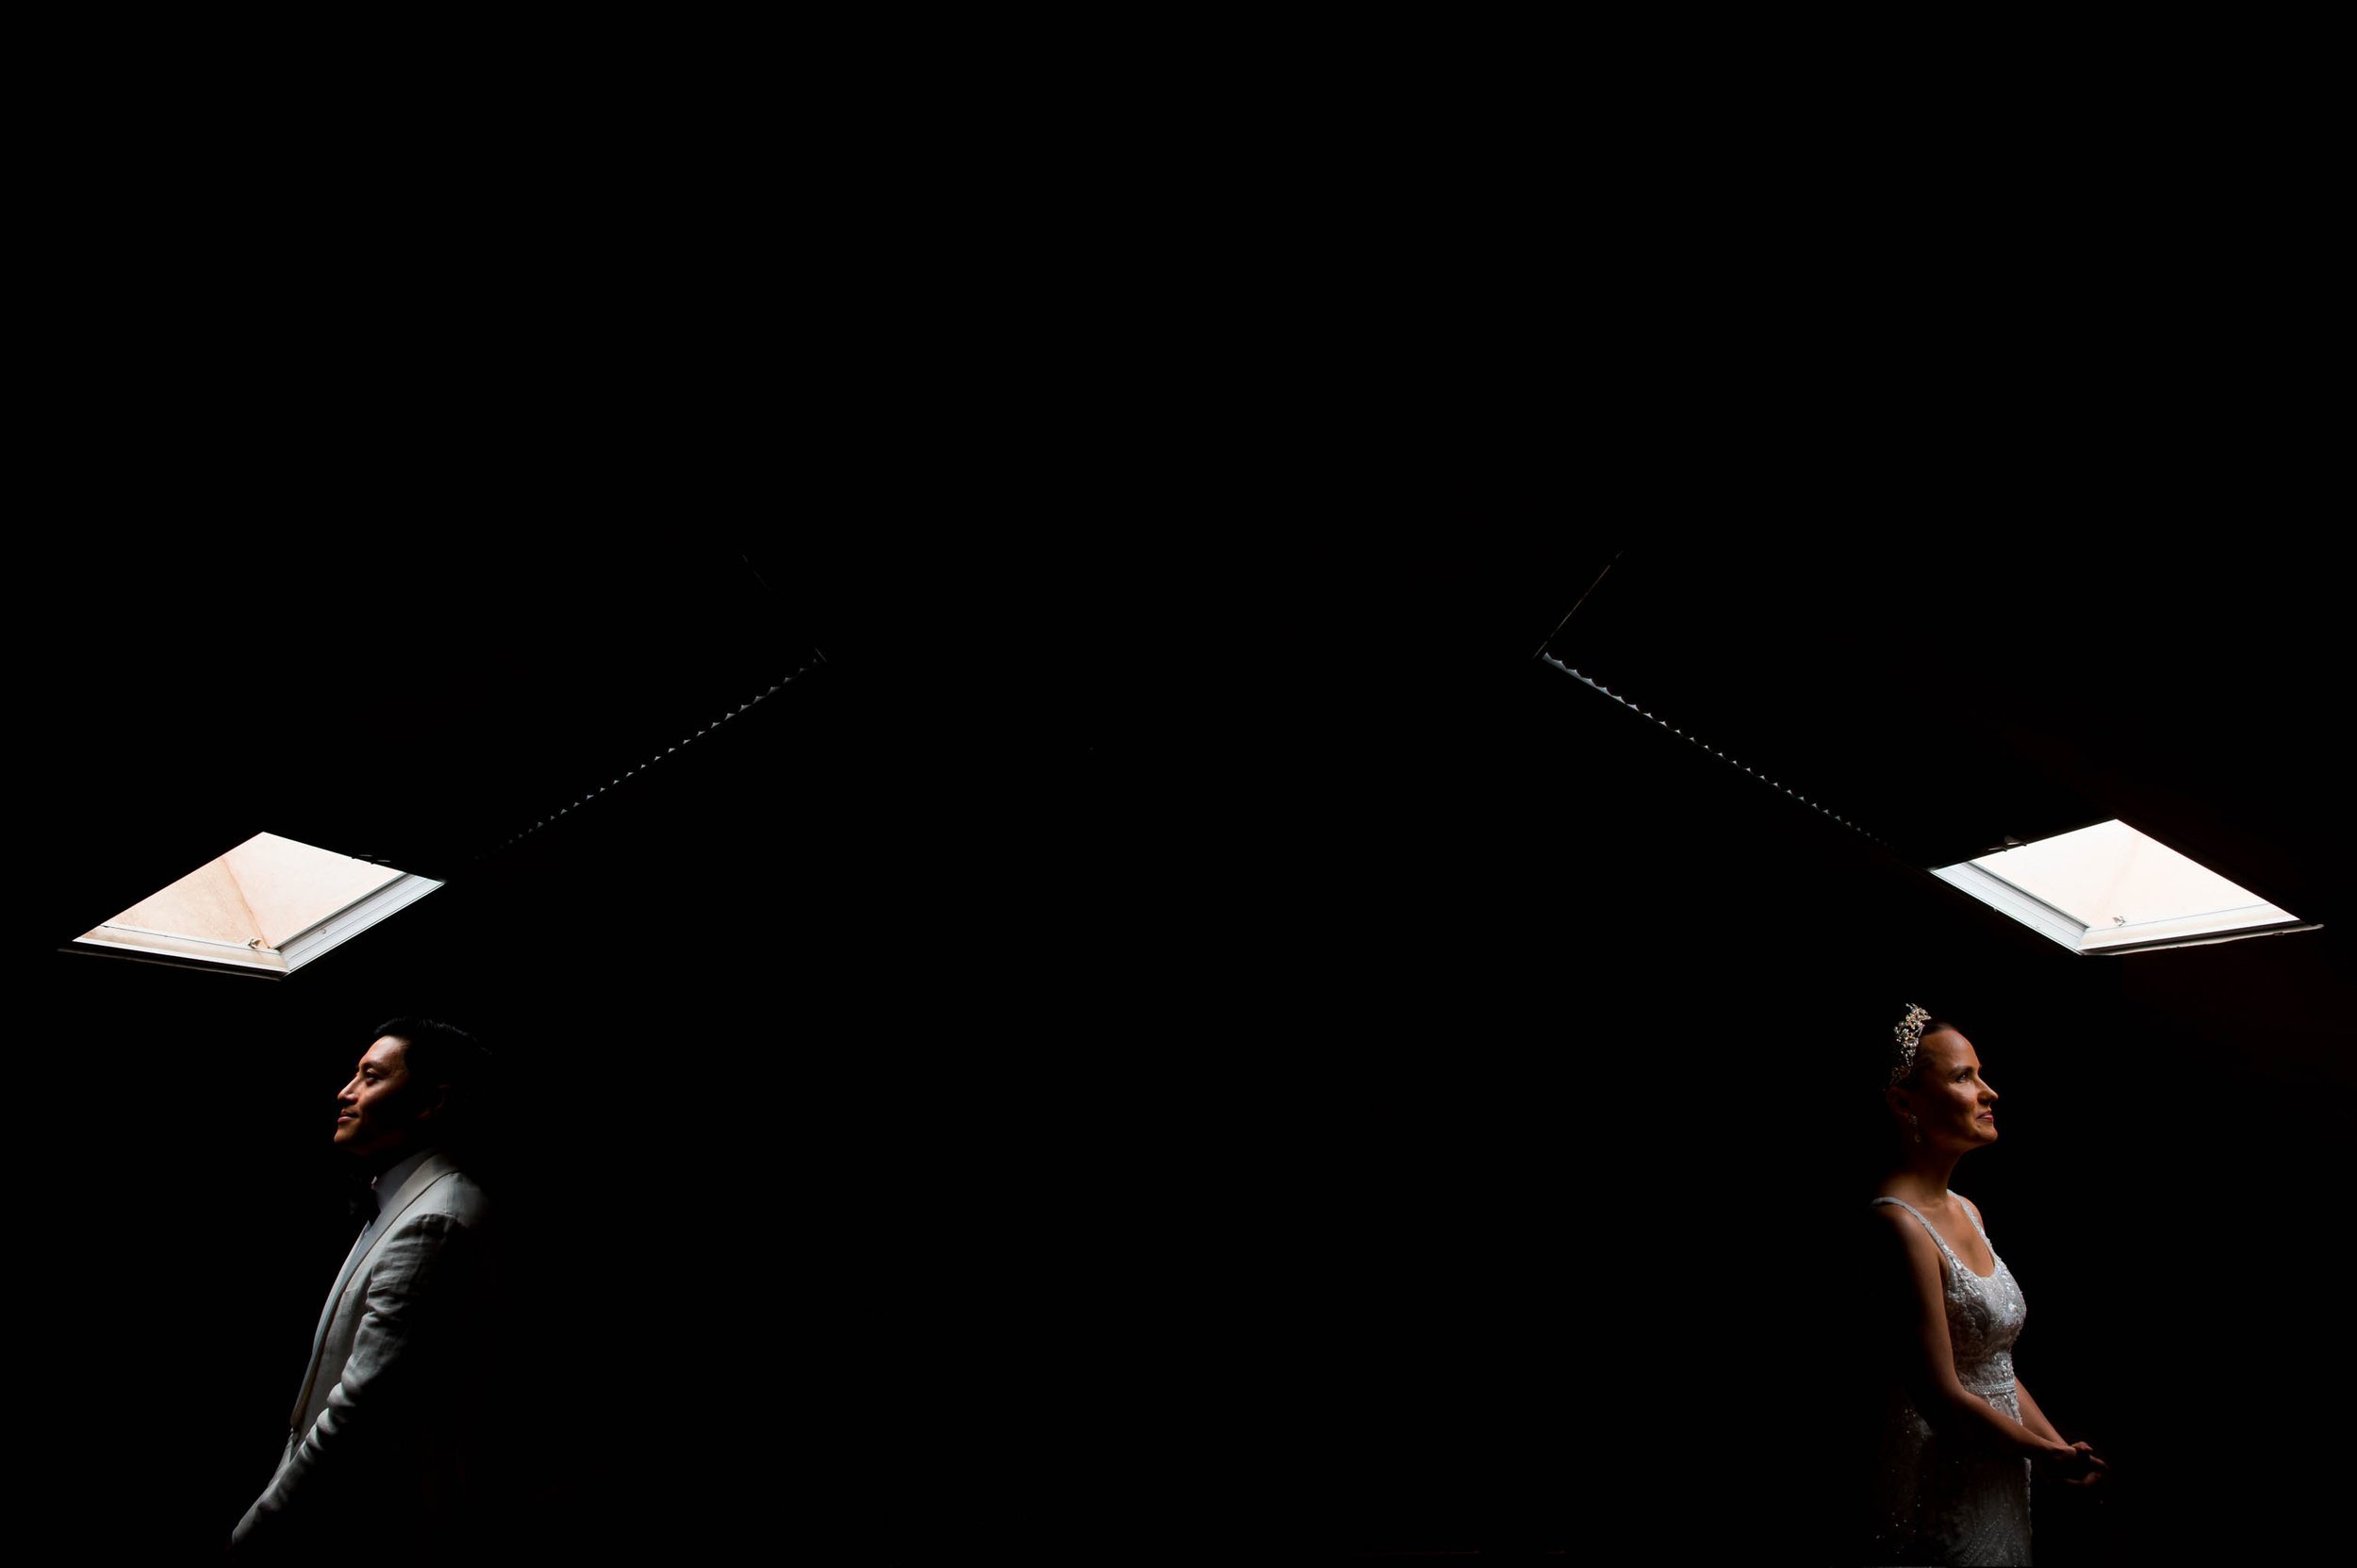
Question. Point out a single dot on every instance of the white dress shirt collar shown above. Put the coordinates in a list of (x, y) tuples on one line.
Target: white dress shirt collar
[(390, 1181)]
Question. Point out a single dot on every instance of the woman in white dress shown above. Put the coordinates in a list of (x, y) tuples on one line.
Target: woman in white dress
[(1962, 1435)]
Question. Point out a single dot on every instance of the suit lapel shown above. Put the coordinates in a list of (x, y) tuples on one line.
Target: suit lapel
[(430, 1170), (389, 1208)]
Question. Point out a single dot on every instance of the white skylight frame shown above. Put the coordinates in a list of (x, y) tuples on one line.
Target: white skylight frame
[(2175, 901), (362, 894), (350, 921)]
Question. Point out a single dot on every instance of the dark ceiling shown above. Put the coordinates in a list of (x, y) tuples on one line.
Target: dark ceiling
[(1949, 699), (425, 702)]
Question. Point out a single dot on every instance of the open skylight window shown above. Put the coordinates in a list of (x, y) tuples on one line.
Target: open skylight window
[(2109, 888), (267, 907)]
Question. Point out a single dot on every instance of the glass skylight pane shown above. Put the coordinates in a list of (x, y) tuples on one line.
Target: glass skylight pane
[(270, 906), (2109, 888)]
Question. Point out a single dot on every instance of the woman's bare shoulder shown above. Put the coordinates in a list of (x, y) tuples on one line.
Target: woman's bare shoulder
[(1893, 1214), (1908, 1226), (1906, 1245)]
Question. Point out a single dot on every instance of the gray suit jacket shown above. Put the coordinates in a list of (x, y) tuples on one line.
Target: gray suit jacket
[(386, 1413)]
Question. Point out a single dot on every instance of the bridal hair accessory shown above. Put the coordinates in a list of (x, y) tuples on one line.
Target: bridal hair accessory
[(1909, 1033)]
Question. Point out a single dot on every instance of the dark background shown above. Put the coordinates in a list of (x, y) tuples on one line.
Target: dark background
[(1155, 1040), (1181, 1030)]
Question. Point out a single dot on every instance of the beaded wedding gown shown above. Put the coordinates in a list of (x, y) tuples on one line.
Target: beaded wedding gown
[(1943, 1507)]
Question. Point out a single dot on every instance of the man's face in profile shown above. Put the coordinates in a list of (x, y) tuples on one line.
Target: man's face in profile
[(376, 1113)]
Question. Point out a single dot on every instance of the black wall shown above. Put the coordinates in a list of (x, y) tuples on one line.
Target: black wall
[(1072, 1076)]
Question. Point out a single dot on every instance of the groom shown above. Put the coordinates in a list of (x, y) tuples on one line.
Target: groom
[(379, 1457)]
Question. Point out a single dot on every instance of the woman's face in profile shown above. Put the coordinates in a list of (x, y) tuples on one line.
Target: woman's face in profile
[(1951, 1101)]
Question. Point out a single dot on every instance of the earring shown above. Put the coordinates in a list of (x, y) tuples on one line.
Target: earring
[(1914, 1127)]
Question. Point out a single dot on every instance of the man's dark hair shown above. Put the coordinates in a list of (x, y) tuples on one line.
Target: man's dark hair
[(436, 1053)]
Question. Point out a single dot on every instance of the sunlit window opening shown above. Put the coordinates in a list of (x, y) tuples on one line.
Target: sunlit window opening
[(2109, 888), (268, 907)]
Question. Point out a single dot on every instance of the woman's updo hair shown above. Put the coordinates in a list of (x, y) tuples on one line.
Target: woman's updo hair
[(1903, 1048)]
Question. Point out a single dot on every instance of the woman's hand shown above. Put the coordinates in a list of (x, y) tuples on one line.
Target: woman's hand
[(2075, 1464)]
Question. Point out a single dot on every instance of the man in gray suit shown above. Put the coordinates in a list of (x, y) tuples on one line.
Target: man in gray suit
[(379, 1452)]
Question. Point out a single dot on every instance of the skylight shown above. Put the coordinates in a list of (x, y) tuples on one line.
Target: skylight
[(2109, 888), (267, 907)]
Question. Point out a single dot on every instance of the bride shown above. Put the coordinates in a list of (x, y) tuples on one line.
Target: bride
[(1962, 1434)]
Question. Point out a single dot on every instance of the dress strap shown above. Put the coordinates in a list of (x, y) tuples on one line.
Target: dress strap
[(1937, 1240)]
